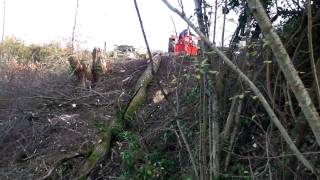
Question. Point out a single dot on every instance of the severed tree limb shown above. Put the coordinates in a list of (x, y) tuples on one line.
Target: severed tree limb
[(99, 152), (153, 69), (103, 146), (252, 86), (141, 85), (287, 67)]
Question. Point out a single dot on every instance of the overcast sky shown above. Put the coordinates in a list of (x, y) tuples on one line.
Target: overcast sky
[(113, 21)]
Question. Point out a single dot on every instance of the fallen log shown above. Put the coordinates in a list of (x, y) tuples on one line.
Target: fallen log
[(98, 153), (141, 86), (103, 145)]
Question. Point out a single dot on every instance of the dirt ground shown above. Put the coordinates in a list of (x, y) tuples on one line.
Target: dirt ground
[(53, 120)]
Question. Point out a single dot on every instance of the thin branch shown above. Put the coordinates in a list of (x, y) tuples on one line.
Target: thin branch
[(3, 19), (188, 149), (74, 26), (174, 26), (311, 54), (286, 66), (144, 33), (249, 83)]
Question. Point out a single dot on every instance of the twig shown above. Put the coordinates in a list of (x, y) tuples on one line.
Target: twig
[(174, 26), (251, 171)]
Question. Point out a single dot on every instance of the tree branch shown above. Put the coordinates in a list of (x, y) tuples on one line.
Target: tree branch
[(287, 67), (249, 83), (74, 26)]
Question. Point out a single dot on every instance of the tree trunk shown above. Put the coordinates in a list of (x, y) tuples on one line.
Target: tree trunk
[(224, 22)]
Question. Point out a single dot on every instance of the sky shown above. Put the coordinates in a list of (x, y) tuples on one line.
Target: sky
[(112, 21)]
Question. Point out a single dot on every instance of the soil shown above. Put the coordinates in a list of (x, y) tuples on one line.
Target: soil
[(43, 124)]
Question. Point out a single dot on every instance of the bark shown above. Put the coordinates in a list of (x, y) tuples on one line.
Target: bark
[(99, 152), (236, 120), (230, 120), (141, 85), (287, 67), (103, 145), (215, 21), (215, 151), (80, 67), (224, 22), (99, 66), (197, 4), (253, 87)]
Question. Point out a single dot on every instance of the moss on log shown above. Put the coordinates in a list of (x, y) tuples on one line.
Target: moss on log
[(141, 86), (103, 145), (98, 153)]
